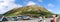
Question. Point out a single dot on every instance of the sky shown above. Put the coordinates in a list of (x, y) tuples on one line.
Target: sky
[(51, 5)]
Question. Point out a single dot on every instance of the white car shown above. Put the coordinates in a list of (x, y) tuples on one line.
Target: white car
[(23, 17), (14, 18), (40, 19), (20, 17), (26, 17)]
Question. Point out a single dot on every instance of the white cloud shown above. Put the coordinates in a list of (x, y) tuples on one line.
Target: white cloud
[(31, 3), (18, 5), (49, 10), (51, 5), (40, 0), (6, 5)]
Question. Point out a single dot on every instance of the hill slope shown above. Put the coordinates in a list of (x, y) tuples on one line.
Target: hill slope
[(26, 10)]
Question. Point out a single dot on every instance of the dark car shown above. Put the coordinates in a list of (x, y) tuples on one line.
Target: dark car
[(4, 19)]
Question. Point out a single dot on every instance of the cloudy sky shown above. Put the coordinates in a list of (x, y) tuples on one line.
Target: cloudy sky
[(51, 5)]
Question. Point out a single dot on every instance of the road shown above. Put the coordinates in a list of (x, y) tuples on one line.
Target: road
[(36, 20), (32, 20)]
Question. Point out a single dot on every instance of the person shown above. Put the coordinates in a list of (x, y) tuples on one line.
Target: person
[(51, 20), (40, 19), (54, 18)]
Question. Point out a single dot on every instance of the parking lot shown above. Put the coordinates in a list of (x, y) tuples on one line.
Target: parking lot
[(32, 20)]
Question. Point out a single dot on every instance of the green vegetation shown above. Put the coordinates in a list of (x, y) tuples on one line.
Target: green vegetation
[(33, 11)]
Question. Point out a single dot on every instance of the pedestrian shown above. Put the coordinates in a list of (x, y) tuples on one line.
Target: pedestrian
[(54, 18), (51, 20)]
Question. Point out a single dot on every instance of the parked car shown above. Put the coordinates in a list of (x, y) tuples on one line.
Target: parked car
[(23, 17), (3, 18), (26, 17), (20, 17), (40, 19), (14, 18)]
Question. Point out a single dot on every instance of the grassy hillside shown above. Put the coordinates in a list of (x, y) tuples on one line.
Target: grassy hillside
[(28, 10)]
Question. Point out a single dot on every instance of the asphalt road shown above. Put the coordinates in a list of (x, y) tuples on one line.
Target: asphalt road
[(35, 20), (32, 20)]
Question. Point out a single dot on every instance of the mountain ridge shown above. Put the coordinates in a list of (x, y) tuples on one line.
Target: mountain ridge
[(26, 10)]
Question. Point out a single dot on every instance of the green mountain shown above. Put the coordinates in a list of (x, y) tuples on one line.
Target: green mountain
[(33, 10)]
